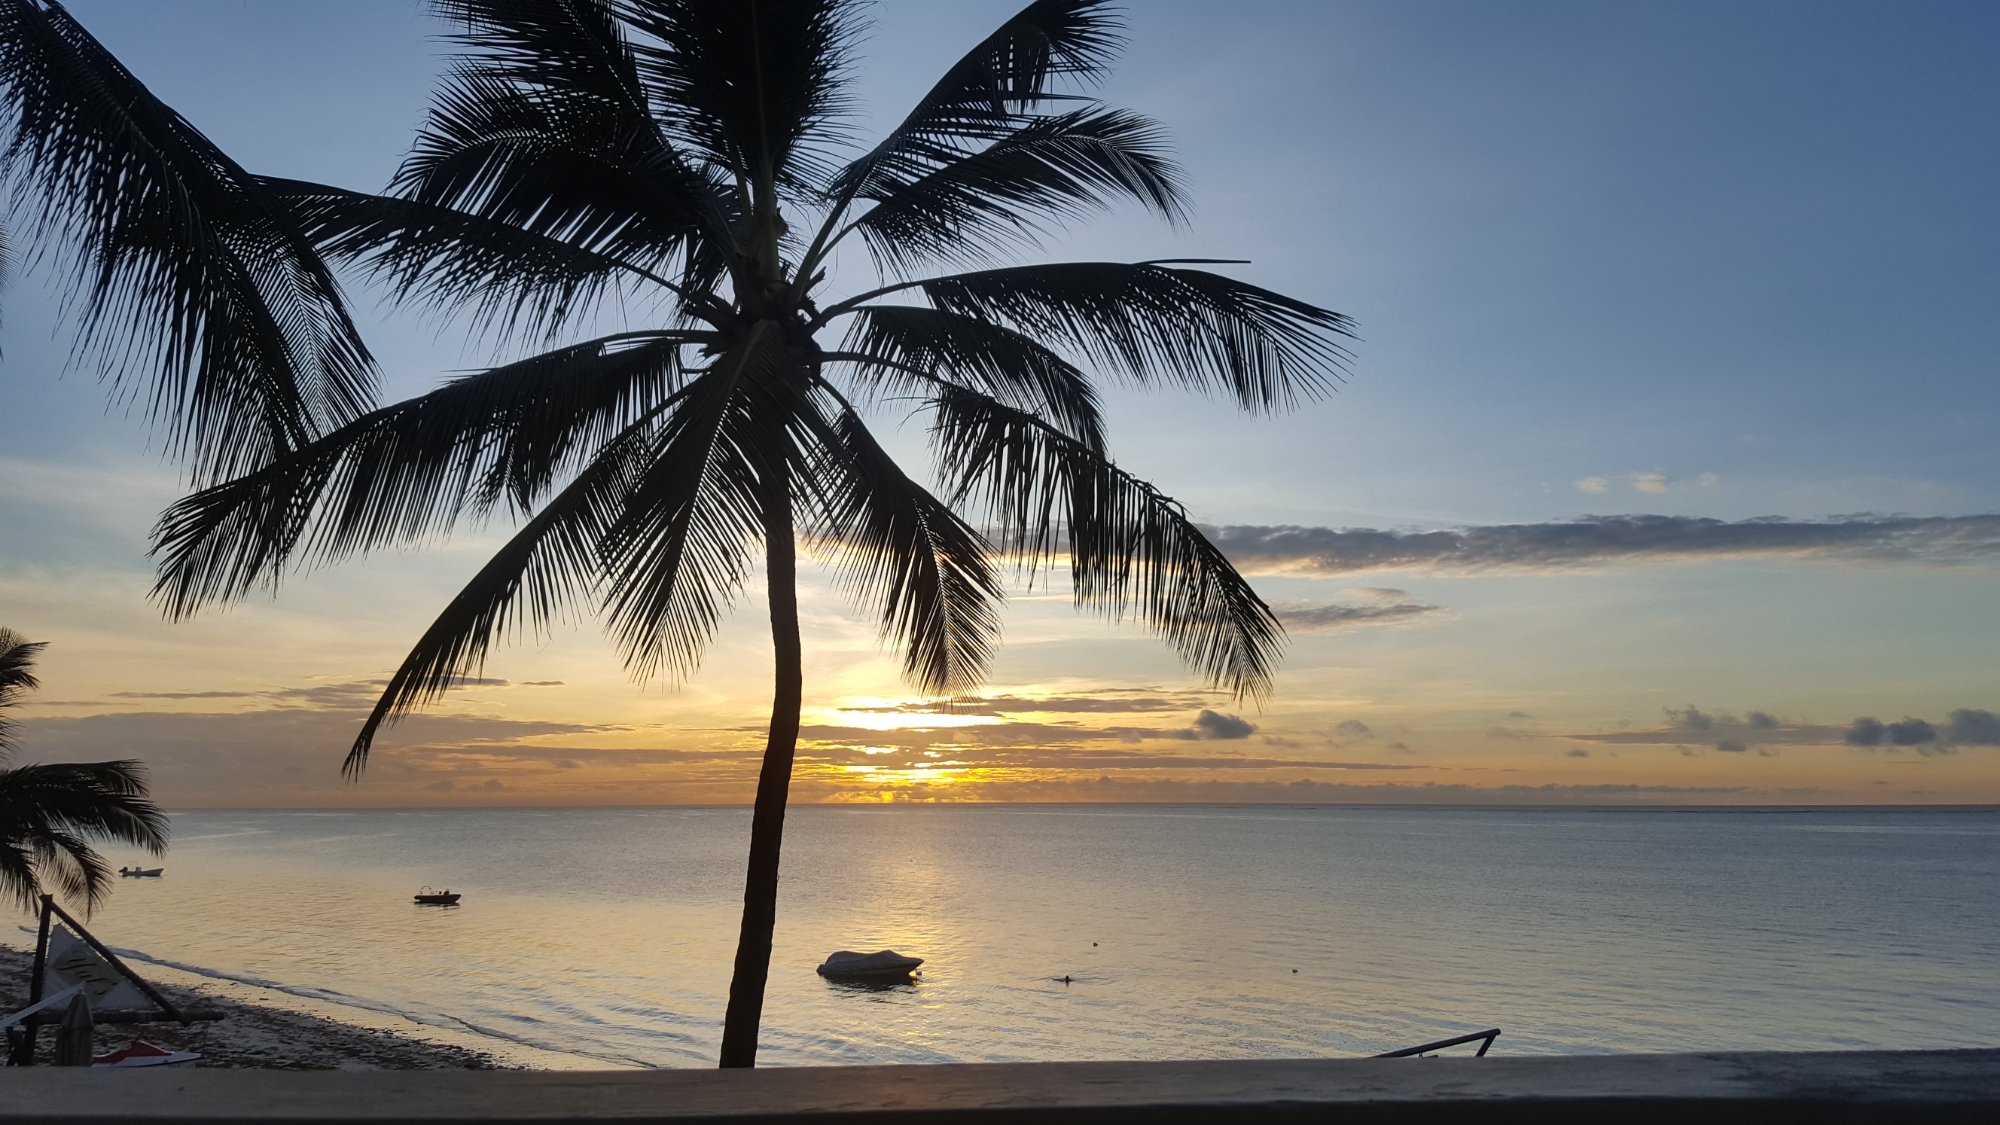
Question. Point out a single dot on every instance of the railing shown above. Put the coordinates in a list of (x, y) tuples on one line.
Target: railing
[(1848, 1087), (1486, 1037)]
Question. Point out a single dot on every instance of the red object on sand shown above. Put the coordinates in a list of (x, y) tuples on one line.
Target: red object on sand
[(142, 1053)]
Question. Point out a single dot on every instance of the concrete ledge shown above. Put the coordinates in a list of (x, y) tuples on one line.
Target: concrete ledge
[(1898, 1086)]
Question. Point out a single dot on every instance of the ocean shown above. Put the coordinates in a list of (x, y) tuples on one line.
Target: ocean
[(604, 937)]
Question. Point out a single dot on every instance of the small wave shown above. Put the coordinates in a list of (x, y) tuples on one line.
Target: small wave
[(250, 979), (446, 1020), (335, 998)]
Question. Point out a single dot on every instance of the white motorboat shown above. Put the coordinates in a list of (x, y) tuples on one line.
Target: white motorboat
[(883, 964)]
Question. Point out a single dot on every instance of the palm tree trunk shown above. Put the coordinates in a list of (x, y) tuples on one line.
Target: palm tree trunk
[(767, 823)]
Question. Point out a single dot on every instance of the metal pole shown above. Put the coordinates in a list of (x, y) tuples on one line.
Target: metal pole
[(1488, 1035)]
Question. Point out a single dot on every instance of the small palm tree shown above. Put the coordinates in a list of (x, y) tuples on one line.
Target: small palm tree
[(50, 813), (691, 157)]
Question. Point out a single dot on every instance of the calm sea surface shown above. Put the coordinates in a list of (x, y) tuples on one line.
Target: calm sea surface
[(604, 937)]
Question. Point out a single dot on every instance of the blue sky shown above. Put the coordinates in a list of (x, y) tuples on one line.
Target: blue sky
[(1698, 261)]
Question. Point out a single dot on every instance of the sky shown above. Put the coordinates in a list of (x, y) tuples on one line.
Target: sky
[(1663, 473)]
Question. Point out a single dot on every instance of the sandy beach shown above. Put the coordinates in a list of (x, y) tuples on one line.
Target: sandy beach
[(258, 1035)]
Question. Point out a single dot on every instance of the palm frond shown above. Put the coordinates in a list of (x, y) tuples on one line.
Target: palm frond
[(1154, 323), (1049, 171), (683, 545), (754, 85), (571, 167), (49, 813), (511, 281), (537, 73), (906, 552), (72, 866), (906, 349), (412, 470), (985, 94), (17, 679), (1132, 549), (19, 882), (6, 269), (187, 264), (17, 666), (570, 45), (540, 574)]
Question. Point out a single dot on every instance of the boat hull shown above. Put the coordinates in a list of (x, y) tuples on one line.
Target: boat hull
[(885, 965)]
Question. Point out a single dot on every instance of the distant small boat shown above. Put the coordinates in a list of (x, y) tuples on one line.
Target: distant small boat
[(142, 1053), (137, 872), (428, 897), (885, 964)]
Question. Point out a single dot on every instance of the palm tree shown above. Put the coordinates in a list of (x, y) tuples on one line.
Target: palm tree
[(49, 813), (691, 156)]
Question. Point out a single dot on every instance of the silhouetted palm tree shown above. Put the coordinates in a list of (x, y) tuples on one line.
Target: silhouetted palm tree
[(50, 813), (687, 156)]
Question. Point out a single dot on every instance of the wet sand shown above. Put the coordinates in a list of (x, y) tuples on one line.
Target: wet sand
[(256, 1035)]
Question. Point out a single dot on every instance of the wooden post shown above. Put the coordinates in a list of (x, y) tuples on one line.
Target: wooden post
[(73, 1037), (24, 1047)]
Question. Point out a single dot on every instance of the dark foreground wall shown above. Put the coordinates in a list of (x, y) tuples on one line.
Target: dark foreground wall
[(1886, 1086)]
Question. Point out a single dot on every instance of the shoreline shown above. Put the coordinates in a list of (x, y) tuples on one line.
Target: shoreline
[(257, 1035)]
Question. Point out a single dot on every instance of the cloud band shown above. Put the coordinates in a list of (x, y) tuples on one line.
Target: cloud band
[(1597, 539)]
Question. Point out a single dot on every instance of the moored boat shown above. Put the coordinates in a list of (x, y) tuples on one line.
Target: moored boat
[(137, 872), (428, 897), (883, 964)]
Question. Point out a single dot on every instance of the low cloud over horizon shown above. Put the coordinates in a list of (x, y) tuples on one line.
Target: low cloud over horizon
[(1338, 617), (1761, 731), (1595, 539), (1111, 701), (1963, 727), (1313, 791)]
